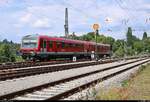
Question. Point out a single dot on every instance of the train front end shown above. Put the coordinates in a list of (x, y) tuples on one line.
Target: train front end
[(29, 47)]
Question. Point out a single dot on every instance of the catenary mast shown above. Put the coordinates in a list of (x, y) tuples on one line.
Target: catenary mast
[(66, 26)]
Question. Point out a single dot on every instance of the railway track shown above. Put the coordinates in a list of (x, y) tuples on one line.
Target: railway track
[(22, 72), (28, 71), (4, 66), (66, 87)]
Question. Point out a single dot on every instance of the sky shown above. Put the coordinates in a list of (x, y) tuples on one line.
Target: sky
[(46, 17)]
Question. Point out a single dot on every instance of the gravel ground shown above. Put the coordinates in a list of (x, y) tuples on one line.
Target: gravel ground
[(51, 65), (90, 93), (55, 90), (31, 81)]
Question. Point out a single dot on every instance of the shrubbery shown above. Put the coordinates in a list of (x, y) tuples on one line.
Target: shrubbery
[(8, 51)]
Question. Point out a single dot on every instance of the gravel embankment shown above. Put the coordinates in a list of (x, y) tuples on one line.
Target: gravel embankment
[(90, 93)]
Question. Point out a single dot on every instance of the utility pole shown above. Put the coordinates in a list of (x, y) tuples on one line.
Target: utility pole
[(124, 47), (97, 31), (66, 26), (96, 27)]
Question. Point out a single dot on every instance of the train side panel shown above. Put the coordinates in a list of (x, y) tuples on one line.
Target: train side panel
[(51, 47)]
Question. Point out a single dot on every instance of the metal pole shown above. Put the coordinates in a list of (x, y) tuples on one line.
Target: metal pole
[(96, 56), (66, 26), (124, 49)]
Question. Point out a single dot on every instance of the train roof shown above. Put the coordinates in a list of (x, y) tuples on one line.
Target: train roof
[(29, 36), (66, 40)]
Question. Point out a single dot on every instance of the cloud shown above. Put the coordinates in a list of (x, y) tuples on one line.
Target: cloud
[(41, 23), (44, 16), (6, 3), (26, 18), (3, 2)]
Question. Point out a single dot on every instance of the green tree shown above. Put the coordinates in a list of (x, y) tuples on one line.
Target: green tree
[(6, 50), (5, 41), (138, 46), (119, 52), (117, 44), (130, 51), (147, 44), (134, 38), (110, 40), (6, 53), (144, 36), (101, 39), (88, 37), (129, 37), (144, 40)]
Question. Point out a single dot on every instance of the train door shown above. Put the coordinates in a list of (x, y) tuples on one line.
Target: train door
[(50, 46), (43, 45), (58, 46)]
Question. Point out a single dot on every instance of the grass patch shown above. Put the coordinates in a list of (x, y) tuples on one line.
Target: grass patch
[(125, 83), (19, 59), (136, 88)]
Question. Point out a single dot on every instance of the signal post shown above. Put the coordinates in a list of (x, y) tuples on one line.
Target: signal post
[(96, 30)]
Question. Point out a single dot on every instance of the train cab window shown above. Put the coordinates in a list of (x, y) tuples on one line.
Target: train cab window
[(63, 44), (50, 44), (41, 43)]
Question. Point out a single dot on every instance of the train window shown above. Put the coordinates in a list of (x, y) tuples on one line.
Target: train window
[(79, 45), (70, 45), (98, 47), (58, 44), (82, 46), (104, 48), (44, 43), (66, 45), (63, 44), (50, 44), (74, 45)]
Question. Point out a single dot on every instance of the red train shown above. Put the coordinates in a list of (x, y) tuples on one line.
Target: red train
[(39, 47)]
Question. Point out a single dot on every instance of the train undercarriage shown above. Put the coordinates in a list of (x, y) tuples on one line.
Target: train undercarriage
[(47, 57)]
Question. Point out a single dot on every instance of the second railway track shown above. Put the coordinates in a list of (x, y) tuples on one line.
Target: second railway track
[(4, 66), (28, 71), (68, 86)]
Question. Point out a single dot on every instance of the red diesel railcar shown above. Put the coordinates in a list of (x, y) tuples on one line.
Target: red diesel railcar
[(44, 48)]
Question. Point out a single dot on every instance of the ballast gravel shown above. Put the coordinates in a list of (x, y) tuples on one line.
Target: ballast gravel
[(91, 92), (18, 84)]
